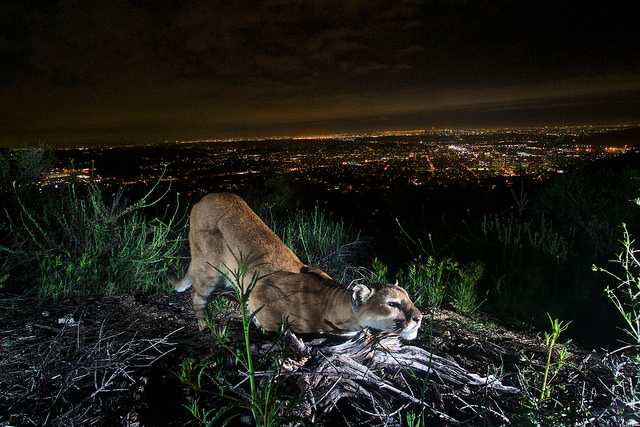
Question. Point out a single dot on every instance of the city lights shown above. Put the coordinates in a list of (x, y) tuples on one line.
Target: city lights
[(353, 162)]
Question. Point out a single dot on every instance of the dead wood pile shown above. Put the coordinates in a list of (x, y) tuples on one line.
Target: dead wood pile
[(380, 377)]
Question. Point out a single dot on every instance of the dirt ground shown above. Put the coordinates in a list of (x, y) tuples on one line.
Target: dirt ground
[(108, 355), (111, 360)]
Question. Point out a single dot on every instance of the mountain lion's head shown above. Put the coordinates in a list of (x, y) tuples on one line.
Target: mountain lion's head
[(387, 308)]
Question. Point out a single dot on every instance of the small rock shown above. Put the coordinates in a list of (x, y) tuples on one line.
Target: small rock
[(68, 320)]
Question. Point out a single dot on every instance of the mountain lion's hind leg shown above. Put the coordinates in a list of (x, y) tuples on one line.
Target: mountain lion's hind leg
[(200, 302), (200, 297)]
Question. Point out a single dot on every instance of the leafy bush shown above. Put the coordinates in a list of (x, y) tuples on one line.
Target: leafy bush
[(429, 280), (626, 294), (528, 258), (318, 239), (463, 295), (540, 395), (378, 272), (513, 231), (25, 166), (540, 260), (433, 281), (82, 243), (593, 201)]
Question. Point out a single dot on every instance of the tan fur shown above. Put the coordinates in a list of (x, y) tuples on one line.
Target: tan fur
[(223, 228)]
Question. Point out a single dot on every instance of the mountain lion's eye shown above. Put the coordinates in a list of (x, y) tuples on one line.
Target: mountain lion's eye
[(393, 304)]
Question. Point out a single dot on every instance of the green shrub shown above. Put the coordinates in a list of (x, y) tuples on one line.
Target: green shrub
[(593, 201), (429, 280), (513, 232), (539, 254), (533, 263), (432, 281), (318, 239), (463, 295), (378, 272), (503, 295), (25, 166), (626, 294), (541, 403), (83, 243)]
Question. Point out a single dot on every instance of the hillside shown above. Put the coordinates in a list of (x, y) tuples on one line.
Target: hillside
[(112, 360), (629, 137)]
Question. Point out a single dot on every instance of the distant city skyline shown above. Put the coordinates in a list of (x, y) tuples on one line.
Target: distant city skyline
[(117, 72), (345, 164), (577, 130)]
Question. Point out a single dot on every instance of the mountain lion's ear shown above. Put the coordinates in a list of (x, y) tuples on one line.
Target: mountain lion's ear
[(360, 294)]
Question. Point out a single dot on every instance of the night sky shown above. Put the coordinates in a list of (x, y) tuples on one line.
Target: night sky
[(122, 72)]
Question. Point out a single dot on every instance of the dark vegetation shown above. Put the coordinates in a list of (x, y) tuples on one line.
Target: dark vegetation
[(90, 335)]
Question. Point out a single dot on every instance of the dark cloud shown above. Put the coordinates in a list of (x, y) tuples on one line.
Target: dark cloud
[(148, 71)]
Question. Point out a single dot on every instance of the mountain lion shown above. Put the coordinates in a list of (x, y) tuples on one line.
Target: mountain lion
[(223, 229)]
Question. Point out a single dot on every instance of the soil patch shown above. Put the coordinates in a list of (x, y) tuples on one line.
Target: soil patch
[(111, 359)]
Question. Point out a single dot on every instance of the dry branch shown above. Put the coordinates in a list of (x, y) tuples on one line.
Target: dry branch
[(67, 367), (378, 375)]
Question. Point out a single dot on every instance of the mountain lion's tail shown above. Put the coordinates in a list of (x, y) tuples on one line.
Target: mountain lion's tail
[(183, 284)]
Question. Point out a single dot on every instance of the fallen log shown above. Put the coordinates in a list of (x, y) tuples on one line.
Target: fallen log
[(379, 376)]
